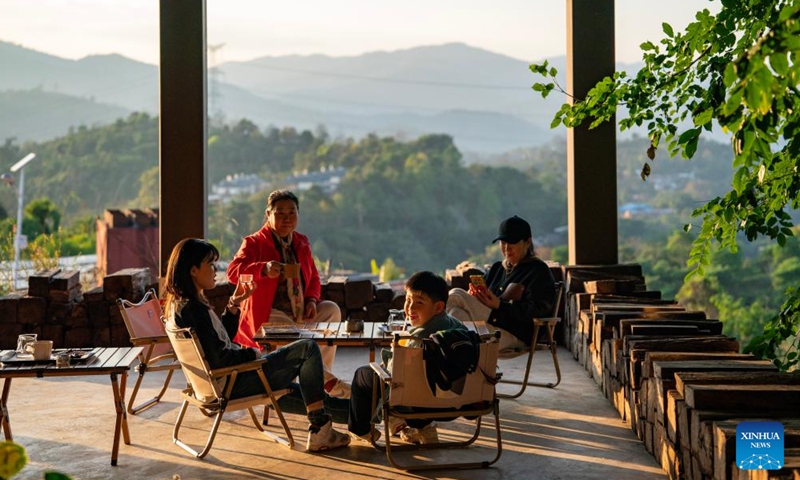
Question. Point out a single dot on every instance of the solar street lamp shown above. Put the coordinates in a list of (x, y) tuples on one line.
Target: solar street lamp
[(18, 237)]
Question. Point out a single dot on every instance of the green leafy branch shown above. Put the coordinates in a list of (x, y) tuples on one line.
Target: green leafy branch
[(738, 71)]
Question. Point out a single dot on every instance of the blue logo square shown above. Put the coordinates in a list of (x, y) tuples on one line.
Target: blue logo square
[(759, 445)]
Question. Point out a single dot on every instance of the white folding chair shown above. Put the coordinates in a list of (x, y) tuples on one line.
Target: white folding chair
[(146, 329), (407, 386), (210, 390)]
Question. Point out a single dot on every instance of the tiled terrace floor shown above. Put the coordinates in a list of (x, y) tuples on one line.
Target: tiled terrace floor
[(565, 433)]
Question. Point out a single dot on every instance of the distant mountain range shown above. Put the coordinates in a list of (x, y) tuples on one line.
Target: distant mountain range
[(481, 98)]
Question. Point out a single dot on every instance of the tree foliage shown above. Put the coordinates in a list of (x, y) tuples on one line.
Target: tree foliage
[(413, 202), (737, 70)]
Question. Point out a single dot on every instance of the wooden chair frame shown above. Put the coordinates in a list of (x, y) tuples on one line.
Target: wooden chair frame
[(549, 324), (146, 329), (382, 391), (186, 344)]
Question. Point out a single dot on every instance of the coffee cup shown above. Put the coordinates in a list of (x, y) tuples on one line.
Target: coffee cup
[(291, 270), (40, 349), (24, 340), (246, 278), (353, 325)]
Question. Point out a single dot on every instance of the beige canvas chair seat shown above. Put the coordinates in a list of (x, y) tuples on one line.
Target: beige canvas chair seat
[(146, 329), (210, 390), (407, 386), (549, 324)]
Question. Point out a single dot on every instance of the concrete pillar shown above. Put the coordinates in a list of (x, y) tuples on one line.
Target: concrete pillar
[(591, 154), (183, 127)]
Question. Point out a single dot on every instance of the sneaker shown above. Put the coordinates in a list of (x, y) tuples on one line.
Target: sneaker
[(340, 389), (396, 425), (426, 434), (326, 439), (372, 436)]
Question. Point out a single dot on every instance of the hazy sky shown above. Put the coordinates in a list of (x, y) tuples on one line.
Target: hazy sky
[(525, 29)]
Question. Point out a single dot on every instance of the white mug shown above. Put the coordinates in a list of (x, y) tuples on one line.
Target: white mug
[(40, 349)]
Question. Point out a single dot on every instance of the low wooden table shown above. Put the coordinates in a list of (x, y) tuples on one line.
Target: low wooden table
[(104, 361), (335, 333), (329, 333)]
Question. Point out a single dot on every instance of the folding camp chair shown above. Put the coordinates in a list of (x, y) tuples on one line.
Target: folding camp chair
[(146, 329), (549, 324), (407, 386), (210, 390)]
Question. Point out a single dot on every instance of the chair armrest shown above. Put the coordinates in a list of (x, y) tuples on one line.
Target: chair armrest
[(167, 356), (146, 340), (241, 367), (381, 372), (546, 320)]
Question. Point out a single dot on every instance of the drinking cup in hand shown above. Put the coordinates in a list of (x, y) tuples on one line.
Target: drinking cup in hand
[(246, 278), (291, 270)]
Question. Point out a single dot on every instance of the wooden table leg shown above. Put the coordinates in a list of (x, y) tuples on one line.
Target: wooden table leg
[(126, 436), (371, 352), (120, 408), (5, 421)]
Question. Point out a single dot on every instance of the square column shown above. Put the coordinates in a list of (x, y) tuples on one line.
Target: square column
[(183, 128), (591, 154)]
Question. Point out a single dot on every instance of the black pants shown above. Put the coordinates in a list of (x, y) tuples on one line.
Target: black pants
[(361, 403), (337, 408)]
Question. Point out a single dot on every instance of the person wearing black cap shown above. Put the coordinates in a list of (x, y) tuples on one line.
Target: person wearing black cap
[(518, 288)]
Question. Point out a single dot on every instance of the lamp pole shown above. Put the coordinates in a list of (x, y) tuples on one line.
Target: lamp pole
[(20, 199)]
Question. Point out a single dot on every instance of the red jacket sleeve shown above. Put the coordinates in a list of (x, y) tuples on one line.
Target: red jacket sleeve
[(247, 260)]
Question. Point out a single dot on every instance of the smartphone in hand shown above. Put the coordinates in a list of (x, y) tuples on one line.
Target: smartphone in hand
[(477, 281)]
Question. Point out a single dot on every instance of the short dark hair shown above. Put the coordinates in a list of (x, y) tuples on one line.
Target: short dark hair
[(280, 195), (430, 284)]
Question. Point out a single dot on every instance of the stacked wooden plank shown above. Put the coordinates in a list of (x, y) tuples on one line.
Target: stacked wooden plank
[(672, 374), (655, 403), (579, 318), (606, 318), (702, 399)]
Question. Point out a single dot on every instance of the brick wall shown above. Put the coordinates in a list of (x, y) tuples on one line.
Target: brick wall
[(56, 308)]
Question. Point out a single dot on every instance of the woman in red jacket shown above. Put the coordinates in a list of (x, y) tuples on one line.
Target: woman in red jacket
[(282, 296)]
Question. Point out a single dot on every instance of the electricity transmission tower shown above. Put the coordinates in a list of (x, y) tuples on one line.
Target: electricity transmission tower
[(215, 75)]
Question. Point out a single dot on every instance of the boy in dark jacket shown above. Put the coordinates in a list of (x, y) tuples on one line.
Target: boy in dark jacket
[(426, 294)]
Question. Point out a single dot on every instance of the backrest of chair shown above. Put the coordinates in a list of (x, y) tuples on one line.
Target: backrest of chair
[(559, 293), (190, 354), (143, 320), (410, 385)]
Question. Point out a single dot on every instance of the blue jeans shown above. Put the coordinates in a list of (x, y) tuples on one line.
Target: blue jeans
[(298, 359)]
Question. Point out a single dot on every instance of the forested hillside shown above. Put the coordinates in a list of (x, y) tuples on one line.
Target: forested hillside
[(415, 202)]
